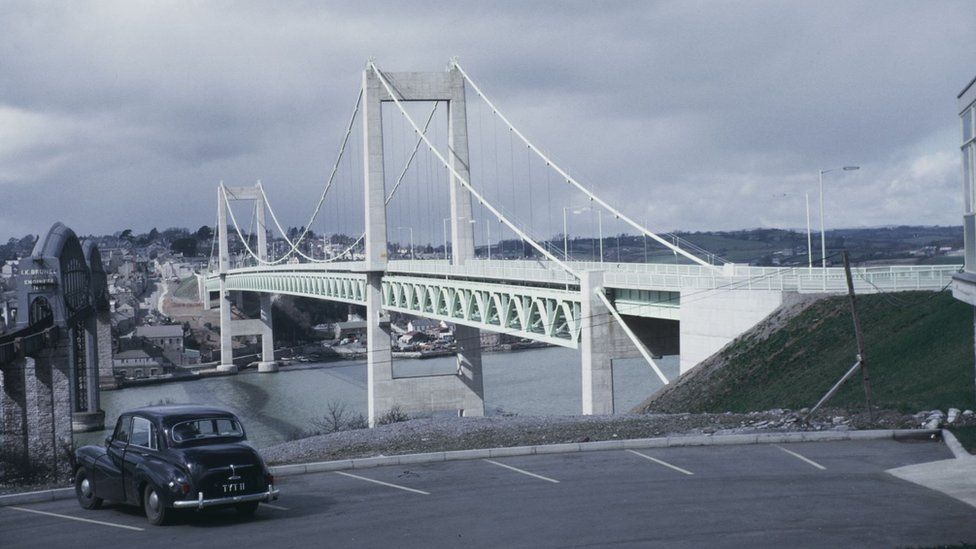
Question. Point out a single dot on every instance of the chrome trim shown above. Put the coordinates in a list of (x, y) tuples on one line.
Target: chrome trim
[(200, 503)]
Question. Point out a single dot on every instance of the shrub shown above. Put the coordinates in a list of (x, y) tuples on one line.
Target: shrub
[(339, 418), (395, 415)]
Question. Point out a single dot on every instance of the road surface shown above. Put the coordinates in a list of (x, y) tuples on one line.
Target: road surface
[(834, 494)]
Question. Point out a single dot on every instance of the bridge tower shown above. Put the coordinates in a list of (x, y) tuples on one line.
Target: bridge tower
[(463, 391), (263, 327)]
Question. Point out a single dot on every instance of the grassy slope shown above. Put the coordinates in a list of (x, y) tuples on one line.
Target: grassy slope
[(919, 348), (187, 288)]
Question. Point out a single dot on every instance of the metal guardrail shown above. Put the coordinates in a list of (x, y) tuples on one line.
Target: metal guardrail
[(669, 277)]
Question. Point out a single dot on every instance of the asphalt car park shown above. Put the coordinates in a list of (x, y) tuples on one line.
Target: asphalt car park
[(801, 494)]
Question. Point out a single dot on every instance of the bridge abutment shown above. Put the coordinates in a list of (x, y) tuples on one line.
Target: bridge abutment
[(712, 319)]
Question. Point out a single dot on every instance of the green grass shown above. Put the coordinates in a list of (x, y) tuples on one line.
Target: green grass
[(187, 288), (919, 351)]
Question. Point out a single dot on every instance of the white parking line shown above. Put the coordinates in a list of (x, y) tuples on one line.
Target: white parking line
[(661, 462), (278, 507), (79, 519), (382, 483), (798, 456), (517, 470)]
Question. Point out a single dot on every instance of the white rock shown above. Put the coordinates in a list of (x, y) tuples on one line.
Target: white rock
[(967, 413), (953, 415), (933, 423), (935, 414), (837, 420)]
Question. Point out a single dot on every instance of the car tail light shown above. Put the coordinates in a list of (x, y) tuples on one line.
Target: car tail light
[(185, 488), (269, 478)]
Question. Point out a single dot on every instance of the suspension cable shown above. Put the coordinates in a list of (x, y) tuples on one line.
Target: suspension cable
[(335, 168), (569, 179)]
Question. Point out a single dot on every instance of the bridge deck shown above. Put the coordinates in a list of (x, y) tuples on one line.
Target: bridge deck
[(538, 300)]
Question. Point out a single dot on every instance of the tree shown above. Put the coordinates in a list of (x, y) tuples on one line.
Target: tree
[(153, 234), (186, 246), (204, 233), (126, 234)]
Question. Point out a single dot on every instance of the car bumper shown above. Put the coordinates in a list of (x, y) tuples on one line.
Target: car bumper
[(200, 503)]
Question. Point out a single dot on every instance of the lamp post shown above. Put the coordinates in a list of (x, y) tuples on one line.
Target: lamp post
[(645, 242), (444, 224), (488, 236), (823, 232), (806, 197), (411, 239), (599, 214)]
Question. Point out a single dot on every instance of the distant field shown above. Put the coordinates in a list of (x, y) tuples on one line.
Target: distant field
[(187, 289), (919, 348)]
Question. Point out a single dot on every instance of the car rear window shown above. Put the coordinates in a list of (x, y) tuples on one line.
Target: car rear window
[(198, 429)]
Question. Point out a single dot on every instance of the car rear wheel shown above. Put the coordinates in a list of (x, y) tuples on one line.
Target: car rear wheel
[(247, 509), (85, 491), (156, 511)]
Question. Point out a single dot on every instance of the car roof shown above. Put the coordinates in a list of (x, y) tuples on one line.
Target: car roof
[(172, 413)]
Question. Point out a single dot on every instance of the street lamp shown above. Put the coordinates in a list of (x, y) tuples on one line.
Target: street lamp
[(823, 233), (444, 224), (806, 198), (645, 242), (575, 211), (488, 236), (411, 239)]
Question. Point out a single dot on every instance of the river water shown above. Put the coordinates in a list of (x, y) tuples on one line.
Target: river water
[(276, 407)]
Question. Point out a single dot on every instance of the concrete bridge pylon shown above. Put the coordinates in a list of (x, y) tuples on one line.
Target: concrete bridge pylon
[(263, 326), (464, 390)]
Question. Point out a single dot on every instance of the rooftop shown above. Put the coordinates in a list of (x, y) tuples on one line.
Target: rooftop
[(134, 353), (170, 330)]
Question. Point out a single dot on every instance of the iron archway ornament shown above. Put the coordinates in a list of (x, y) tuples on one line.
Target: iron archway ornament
[(58, 270)]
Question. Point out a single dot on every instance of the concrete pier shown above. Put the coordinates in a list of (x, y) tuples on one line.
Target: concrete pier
[(596, 366)]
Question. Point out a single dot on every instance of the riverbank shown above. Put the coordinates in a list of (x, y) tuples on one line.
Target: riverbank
[(209, 370)]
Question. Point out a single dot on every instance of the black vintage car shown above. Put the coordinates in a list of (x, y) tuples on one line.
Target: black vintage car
[(174, 457)]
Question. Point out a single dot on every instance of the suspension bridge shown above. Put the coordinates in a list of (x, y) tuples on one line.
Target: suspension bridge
[(459, 174)]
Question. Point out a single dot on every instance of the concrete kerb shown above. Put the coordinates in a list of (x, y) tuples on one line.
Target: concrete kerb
[(39, 496), (954, 445), (603, 445)]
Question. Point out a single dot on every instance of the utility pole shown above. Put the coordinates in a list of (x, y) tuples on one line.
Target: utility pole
[(860, 363), (865, 379)]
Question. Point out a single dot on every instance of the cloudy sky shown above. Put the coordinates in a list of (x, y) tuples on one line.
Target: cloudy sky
[(693, 115)]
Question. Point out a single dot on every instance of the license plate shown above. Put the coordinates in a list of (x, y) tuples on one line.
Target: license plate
[(233, 487)]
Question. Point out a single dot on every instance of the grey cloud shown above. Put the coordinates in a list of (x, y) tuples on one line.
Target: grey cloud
[(692, 114)]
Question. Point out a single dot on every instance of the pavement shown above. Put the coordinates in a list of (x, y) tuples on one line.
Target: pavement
[(812, 494)]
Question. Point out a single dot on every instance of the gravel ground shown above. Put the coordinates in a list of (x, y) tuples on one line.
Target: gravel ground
[(442, 434)]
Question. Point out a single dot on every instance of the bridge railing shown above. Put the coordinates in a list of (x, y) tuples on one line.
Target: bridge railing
[(668, 277), (803, 280), (521, 270)]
